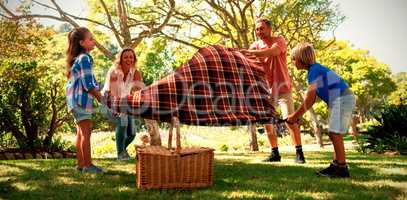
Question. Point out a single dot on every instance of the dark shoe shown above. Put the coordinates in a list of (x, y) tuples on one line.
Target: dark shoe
[(273, 158), (342, 172), (299, 158), (334, 171), (123, 156), (78, 168), (92, 169)]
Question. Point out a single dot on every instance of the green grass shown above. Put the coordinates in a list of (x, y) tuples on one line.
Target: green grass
[(236, 176)]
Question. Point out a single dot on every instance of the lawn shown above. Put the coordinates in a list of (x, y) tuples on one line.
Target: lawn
[(237, 176), (238, 173)]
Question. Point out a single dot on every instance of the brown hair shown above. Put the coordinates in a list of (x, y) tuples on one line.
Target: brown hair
[(266, 21), (304, 53), (119, 57), (74, 47)]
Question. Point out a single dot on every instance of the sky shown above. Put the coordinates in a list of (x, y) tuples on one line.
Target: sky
[(379, 26)]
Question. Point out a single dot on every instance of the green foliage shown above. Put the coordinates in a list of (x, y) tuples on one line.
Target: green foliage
[(7, 141), (31, 94), (224, 148), (22, 40), (362, 144), (400, 95), (156, 62), (369, 79), (59, 144), (288, 19), (390, 133), (22, 101)]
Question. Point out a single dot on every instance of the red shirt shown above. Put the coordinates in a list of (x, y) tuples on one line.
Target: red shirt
[(275, 67)]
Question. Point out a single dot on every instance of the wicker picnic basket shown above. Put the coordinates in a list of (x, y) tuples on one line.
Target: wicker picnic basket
[(158, 167)]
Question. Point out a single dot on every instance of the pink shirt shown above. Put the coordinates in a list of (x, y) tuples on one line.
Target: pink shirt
[(119, 87), (275, 67)]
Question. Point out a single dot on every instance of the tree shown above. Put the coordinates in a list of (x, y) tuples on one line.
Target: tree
[(30, 106), (156, 61), (129, 22), (369, 79), (399, 96)]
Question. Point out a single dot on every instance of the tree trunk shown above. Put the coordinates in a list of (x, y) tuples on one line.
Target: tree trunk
[(317, 127), (253, 138)]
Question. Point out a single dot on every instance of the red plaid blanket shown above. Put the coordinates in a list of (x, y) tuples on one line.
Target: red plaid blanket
[(217, 86)]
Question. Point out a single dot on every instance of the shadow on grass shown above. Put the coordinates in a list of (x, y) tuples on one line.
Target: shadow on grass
[(233, 178)]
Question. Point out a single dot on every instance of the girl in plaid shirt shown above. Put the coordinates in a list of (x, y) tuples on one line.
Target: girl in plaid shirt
[(81, 90)]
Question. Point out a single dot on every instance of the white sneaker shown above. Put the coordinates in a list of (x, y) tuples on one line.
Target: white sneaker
[(123, 156)]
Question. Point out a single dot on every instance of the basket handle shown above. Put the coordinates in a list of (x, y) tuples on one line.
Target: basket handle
[(174, 122)]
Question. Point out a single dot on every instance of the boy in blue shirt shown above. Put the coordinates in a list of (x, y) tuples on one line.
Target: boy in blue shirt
[(335, 92)]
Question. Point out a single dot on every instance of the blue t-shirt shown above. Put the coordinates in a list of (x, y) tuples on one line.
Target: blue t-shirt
[(329, 84)]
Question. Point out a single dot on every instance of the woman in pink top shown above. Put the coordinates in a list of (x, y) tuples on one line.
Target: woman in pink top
[(272, 52), (121, 80)]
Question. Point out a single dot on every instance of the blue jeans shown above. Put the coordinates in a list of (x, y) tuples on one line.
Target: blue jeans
[(125, 132), (125, 128)]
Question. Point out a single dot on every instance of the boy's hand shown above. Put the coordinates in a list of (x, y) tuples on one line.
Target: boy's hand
[(292, 119)]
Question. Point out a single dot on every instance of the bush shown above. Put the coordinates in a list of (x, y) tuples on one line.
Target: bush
[(224, 147), (7, 141), (390, 133), (59, 144)]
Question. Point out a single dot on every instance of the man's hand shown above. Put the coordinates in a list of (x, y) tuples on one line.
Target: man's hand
[(248, 53), (244, 51)]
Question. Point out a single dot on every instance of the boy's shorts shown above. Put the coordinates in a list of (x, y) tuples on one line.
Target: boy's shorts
[(340, 114), (80, 114)]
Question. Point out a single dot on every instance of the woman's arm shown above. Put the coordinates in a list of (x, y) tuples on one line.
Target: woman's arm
[(138, 81), (137, 76)]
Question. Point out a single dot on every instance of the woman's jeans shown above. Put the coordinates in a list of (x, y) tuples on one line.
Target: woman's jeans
[(125, 128), (125, 132)]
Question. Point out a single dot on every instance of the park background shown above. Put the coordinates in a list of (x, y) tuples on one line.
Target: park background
[(363, 41)]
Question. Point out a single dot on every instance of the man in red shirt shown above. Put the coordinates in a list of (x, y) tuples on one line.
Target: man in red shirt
[(272, 52)]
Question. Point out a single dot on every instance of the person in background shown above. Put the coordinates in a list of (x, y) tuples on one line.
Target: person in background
[(121, 80)]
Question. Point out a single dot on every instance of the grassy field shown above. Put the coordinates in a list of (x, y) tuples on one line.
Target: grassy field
[(238, 174)]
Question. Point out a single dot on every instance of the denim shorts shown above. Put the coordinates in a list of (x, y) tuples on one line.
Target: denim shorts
[(340, 114), (80, 114)]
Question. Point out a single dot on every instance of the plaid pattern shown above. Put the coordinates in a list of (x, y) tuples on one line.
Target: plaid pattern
[(218, 86), (81, 82)]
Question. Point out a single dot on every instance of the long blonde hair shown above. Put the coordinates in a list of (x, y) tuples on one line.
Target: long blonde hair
[(118, 61)]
